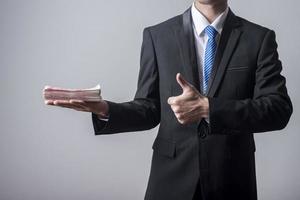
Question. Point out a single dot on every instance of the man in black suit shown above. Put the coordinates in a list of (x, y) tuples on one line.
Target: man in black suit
[(211, 79)]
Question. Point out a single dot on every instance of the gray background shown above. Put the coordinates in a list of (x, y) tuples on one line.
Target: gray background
[(52, 153)]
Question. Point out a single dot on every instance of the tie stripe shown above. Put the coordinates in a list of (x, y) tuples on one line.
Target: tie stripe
[(209, 56)]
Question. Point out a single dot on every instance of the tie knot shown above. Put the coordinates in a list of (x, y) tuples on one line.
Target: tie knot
[(211, 32)]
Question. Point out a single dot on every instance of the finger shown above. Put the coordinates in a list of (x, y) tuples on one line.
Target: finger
[(58, 102), (177, 109), (78, 102), (181, 121), (49, 102), (170, 100), (177, 100), (66, 104), (182, 82)]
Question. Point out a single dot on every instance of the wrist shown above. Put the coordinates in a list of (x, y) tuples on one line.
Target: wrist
[(103, 110), (102, 116), (204, 106)]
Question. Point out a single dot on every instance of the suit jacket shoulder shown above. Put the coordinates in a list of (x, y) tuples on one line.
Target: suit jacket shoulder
[(164, 28), (254, 29)]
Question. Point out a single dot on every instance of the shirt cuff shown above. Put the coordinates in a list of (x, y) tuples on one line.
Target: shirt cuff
[(103, 118), (207, 119)]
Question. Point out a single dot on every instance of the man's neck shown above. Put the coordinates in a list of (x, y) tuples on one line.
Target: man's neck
[(211, 11)]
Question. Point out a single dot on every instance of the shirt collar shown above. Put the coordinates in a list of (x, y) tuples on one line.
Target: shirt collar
[(200, 22)]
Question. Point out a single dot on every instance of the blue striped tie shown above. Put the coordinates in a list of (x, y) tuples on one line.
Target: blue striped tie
[(210, 52)]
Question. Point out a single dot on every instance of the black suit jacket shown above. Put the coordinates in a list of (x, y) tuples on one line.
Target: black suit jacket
[(247, 94)]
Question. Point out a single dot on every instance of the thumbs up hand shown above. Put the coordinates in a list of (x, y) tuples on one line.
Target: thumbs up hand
[(190, 106)]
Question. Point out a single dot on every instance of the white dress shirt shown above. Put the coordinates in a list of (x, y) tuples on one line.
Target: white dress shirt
[(199, 24)]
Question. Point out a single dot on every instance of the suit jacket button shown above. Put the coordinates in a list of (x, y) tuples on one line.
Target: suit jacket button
[(203, 135)]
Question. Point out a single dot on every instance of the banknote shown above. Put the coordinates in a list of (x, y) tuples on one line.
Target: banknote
[(56, 93)]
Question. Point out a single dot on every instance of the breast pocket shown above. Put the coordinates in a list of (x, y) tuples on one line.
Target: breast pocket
[(237, 68), (164, 147)]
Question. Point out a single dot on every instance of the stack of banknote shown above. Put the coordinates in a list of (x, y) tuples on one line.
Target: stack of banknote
[(56, 93)]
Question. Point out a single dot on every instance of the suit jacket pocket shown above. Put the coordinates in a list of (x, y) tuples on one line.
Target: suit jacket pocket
[(236, 67), (165, 147)]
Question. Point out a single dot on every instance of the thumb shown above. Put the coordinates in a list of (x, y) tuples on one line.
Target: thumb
[(182, 82)]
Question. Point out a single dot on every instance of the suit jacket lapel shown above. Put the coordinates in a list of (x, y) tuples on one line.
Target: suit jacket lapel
[(185, 39), (227, 44), (186, 43)]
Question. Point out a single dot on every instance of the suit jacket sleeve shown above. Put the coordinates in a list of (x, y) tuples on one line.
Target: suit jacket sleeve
[(269, 109), (143, 112)]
